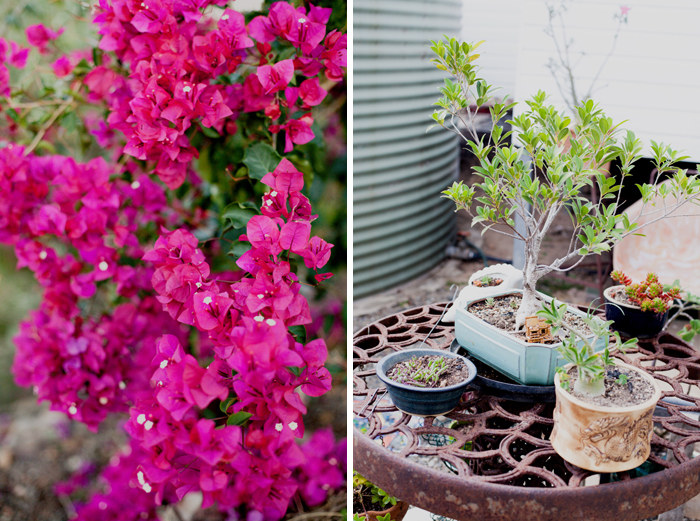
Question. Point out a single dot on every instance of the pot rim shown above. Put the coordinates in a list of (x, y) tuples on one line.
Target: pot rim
[(608, 296), (381, 373), (612, 409)]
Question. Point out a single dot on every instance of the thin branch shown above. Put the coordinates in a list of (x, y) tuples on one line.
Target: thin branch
[(47, 125)]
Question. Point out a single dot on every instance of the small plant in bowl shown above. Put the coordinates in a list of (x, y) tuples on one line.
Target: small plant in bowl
[(371, 503), (487, 281), (603, 416), (425, 382), (640, 309)]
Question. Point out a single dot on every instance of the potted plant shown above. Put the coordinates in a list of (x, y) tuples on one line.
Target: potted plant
[(641, 309), (484, 283), (603, 416), (425, 382), (537, 180), (371, 503)]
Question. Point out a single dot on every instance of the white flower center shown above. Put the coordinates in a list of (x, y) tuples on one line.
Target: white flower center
[(103, 400), (147, 488), (293, 426), (122, 385), (333, 461), (225, 17), (43, 255), (148, 425), (135, 185), (103, 266), (261, 296), (198, 284), (279, 427), (186, 89), (207, 300), (259, 318), (273, 193), (141, 419), (164, 364), (139, 476), (270, 322), (302, 20), (73, 409)]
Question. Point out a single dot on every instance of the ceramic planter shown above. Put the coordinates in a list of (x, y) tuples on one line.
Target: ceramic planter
[(603, 439), (528, 364), (631, 321), (422, 401), (397, 511), (512, 279)]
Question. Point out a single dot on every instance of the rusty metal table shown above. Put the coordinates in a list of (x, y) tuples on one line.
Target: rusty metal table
[(491, 459)]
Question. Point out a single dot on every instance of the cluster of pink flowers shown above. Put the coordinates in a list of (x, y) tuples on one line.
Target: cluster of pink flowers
[(175, 55), (124, 327), (70, 225), (257, 362)]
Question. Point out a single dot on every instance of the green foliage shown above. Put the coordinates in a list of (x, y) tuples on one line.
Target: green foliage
[(421, 377), (622, 379), (577, 347), (260, 159), (363, 488), (566, 158)]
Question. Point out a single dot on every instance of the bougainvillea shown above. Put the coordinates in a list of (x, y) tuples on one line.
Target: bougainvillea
[(141, 313)]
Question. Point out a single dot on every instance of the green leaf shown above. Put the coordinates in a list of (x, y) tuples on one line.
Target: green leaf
[(224, 405), (260, 159), (239, 248), (209, 132), (296, 371), (299, 332), (238, 418), (238, 214)]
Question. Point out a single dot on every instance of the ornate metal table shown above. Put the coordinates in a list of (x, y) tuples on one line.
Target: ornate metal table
[(491, 459)]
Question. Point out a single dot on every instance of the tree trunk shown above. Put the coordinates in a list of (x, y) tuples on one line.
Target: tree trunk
[(529, 305)]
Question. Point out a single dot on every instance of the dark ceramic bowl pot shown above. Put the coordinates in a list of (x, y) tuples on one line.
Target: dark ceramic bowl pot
[(421, 401), (630, 320)]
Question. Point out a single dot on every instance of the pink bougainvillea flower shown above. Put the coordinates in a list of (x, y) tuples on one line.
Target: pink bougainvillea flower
[(254, 96), (624, 10), (62, 67), (317, 254), (335, 55), (39, 36), (276, 77), (306, 34), (297, 131), (18, 56), (311, 92)]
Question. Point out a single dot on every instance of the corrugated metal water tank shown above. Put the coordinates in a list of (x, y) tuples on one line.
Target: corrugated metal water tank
[(401, 224)]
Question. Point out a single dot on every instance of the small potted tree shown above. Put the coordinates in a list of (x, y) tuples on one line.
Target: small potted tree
[(639, 310), (603, 416), (533, 183)]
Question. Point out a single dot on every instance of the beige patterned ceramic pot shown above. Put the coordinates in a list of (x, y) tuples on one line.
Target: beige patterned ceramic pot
[(603, 439)]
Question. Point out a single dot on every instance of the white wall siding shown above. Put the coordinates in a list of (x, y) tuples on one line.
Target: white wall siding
[(498, 22), (653, 78)]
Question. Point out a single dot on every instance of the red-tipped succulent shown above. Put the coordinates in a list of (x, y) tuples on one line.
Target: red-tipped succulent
[(649, 294)]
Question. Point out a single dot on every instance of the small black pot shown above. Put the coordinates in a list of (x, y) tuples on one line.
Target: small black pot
[(630, 320), (418, 400)]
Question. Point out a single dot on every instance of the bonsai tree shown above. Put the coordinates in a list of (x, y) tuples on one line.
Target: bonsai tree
[(548, 169)]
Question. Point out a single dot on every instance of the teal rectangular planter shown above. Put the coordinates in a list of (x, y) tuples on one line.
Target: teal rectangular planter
[(528, 364)]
